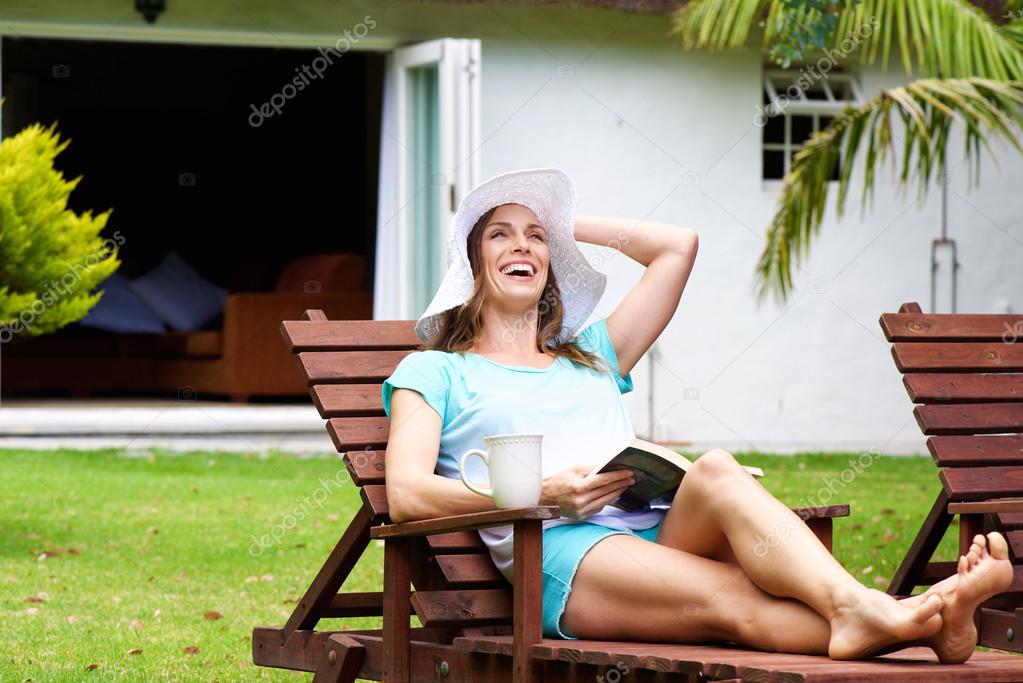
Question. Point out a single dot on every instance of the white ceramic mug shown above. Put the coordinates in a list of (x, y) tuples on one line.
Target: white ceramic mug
[(514, 467)]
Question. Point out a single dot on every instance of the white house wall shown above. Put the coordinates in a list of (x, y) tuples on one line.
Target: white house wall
[(647, 131)]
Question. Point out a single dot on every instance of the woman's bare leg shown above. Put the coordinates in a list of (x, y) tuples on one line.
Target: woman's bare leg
[(627, 588), (720, 507)]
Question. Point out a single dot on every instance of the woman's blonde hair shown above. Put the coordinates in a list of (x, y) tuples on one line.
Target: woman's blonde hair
[(461, 326)]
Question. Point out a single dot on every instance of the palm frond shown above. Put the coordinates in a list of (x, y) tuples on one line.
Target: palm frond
[(1014, 32), (926, 109), (936, 38), (717, 24)]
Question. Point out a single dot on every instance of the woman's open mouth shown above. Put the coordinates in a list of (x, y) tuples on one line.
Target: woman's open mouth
[(523, 272)]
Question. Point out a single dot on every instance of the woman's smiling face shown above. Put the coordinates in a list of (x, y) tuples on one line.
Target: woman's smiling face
[(514, 255)]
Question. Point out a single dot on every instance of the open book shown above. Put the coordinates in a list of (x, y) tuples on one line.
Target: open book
[(658, 471)]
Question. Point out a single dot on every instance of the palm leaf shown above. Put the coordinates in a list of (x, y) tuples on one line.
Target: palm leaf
[(934, 38), (937, 38), (926, 109), (717, 24), (1014, 33)]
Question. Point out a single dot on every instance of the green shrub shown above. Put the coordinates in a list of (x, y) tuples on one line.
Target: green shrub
[(51, 259)]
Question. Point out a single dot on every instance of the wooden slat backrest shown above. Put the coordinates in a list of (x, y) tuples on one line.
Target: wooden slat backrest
[(965, 375), (344, 363)]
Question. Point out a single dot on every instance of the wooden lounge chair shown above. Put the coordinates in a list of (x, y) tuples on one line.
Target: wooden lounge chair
[(473, 625), (960, 370)]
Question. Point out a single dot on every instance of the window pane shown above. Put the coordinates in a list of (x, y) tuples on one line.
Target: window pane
[(774, 164), (802, 126), (841, 90), (774, 130), (423, 166), (816, 92)]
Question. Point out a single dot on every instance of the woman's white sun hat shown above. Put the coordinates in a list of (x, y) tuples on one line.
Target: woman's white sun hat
[(548, 192)]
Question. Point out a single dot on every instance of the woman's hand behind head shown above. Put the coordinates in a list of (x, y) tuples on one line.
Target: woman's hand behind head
[(580, 496)]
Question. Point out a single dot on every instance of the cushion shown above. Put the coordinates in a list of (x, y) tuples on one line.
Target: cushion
[(122, 310), (180, 296)]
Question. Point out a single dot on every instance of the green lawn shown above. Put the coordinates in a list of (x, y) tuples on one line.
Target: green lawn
[(146, 566)]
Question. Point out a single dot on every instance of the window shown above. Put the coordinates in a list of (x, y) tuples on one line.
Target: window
[(796, 103)]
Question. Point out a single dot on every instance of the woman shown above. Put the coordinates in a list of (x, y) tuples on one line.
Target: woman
[(503, 355)]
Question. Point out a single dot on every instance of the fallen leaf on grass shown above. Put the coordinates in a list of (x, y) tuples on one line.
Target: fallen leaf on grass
[(191, 650), (136, 651), (212, 615), (867, 570), (266, 577), (136, 624), (71, 618), (887, 511), (251, 579), (880, 581), (92, 667), (38, 597)]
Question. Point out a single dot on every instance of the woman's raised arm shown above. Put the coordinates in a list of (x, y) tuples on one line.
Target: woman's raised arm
[(413, 490), (668, 253)]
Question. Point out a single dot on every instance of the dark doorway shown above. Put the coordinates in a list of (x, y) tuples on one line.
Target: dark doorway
[(165, 135)]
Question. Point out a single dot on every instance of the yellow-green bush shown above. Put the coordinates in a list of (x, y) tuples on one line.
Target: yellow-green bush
[(51, 258)]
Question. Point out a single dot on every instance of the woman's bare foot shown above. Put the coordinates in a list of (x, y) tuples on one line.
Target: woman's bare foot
[(870, 620), (983, 572), (942, 588)]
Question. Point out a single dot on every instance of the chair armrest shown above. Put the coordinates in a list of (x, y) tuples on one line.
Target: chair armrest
[(467, 522), (995, 505), (822, 511)]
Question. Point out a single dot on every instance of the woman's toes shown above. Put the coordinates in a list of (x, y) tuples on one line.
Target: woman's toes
[(980, 540), (997, 546), (964, 564)]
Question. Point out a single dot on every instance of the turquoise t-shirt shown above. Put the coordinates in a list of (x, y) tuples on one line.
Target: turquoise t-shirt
[(579, 411)]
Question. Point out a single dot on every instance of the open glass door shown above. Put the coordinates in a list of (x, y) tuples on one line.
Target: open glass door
[(437, 117)]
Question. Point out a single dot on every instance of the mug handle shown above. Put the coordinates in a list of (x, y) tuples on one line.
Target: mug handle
[(489, 493)]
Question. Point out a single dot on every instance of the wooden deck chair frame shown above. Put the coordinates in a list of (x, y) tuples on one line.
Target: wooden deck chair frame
[(960, 370), (474, 625)]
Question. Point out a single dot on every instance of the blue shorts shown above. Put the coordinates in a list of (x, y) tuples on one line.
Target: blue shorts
[(563, 549)]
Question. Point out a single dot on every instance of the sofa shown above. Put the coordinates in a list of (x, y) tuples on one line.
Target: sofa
[(244, 358)]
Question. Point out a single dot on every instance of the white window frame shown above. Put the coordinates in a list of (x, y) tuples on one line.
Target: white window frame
[(803, 106)]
